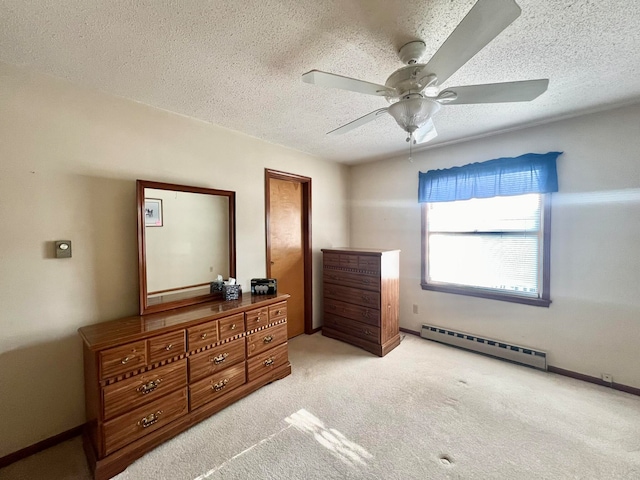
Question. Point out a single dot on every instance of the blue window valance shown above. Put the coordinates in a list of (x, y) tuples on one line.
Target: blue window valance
[(528, 173)]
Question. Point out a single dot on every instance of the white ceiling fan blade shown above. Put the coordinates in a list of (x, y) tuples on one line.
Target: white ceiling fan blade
[(523, 91), (324, 79), (426, 132), (484, 22), (358, 122)]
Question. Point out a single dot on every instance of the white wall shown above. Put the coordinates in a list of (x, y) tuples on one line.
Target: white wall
[(593, 324), (69, 159)]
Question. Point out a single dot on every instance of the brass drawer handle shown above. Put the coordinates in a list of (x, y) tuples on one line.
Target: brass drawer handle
[(149, 387), (258, 319), (169, 347), (220, 385), (366, 298), (278, 312), (220, 358), (366, 314), (203, 336), (366, 281), (268, 339), (127, 359), (268, 362), (233, 327), (368, 332), (149, 419)]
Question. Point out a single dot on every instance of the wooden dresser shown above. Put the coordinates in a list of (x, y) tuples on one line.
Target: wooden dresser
[(148, 378), (361, 292)]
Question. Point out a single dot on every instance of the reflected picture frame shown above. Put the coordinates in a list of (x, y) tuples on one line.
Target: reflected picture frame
[(152, 212)]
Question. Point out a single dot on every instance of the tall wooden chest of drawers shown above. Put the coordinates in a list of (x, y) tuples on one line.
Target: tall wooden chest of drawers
[(361, 291), (148, 378)]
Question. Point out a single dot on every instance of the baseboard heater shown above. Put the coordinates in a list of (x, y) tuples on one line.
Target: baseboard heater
[(494, 348)]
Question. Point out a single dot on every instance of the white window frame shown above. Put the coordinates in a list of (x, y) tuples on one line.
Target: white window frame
[(542, 300)]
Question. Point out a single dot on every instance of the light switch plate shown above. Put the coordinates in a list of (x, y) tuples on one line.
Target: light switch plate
[(63, 248)]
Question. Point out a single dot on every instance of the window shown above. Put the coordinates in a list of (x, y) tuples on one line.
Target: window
[(486, 228), (489, 247)]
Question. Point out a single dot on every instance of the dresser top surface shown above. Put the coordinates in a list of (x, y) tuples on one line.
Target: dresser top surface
[(365, 251), (127, 329)]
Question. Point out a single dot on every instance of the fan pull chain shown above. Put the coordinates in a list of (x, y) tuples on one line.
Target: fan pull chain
[(411, 142)]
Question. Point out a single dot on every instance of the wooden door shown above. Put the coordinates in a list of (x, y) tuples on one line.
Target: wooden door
[(288, 245)]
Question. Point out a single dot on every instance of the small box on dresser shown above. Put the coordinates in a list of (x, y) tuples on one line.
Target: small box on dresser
[(361, 291)]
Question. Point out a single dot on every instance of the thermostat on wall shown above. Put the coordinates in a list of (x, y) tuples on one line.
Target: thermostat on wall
[(63, 248)]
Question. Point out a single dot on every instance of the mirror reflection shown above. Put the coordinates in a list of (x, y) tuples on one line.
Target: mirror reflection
[(187, 242)]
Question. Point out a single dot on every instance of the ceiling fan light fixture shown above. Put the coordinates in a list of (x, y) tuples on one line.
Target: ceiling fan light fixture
[(412, 113)]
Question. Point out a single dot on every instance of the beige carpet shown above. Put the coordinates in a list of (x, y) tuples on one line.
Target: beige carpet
[(425, 411)]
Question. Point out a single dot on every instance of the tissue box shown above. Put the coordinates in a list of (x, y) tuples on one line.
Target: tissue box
[(231, 292), (216, 287)]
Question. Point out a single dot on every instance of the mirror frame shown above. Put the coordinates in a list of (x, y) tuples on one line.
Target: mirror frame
[(145, 308)]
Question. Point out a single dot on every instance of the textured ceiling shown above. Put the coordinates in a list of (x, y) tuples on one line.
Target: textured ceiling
[(238, 64)]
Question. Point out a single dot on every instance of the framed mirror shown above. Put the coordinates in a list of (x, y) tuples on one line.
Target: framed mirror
[(186, 238)]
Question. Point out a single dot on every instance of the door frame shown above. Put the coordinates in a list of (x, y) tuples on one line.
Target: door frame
[(305, 183)]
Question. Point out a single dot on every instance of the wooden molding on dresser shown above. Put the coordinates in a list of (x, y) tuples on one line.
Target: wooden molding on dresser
[(361, 291), (148, 378)]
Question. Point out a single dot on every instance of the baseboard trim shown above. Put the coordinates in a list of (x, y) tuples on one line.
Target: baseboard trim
[(411, 332), (40, 446), (596, 380), (316, 330)]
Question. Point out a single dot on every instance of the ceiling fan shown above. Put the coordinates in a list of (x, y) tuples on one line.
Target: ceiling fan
[(414, 91)]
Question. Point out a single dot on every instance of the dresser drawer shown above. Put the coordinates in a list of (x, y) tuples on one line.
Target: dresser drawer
[(218, 358), (366, 298), (231, 326), (263, 340), (127, 394), (370, 263), (123, 359), (126, 428), (167, 346), (267, 361), (357, 280), (277, 311), (352, 327), (257, 318), (355, 312), (216, 385), (202, 335)]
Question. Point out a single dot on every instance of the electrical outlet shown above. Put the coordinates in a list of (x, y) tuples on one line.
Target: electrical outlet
[(415, 308), (607, 377)]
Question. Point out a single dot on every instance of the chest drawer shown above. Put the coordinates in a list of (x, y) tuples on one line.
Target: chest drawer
[(355, 312), (265, 339), (126, 428), (265, 362), (349, 279), (352, 327), (277, 311), (257, 318), (166, 346), (218, 358), (123, 359), (231, 326), (202, 335), (216, 385), (135, 391), (366, 298), (370, 263)]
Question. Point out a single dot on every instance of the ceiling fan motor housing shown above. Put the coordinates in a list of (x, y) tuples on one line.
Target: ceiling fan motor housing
[(412, 52)]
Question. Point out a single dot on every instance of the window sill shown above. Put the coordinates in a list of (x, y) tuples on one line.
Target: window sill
[(472, 292)]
